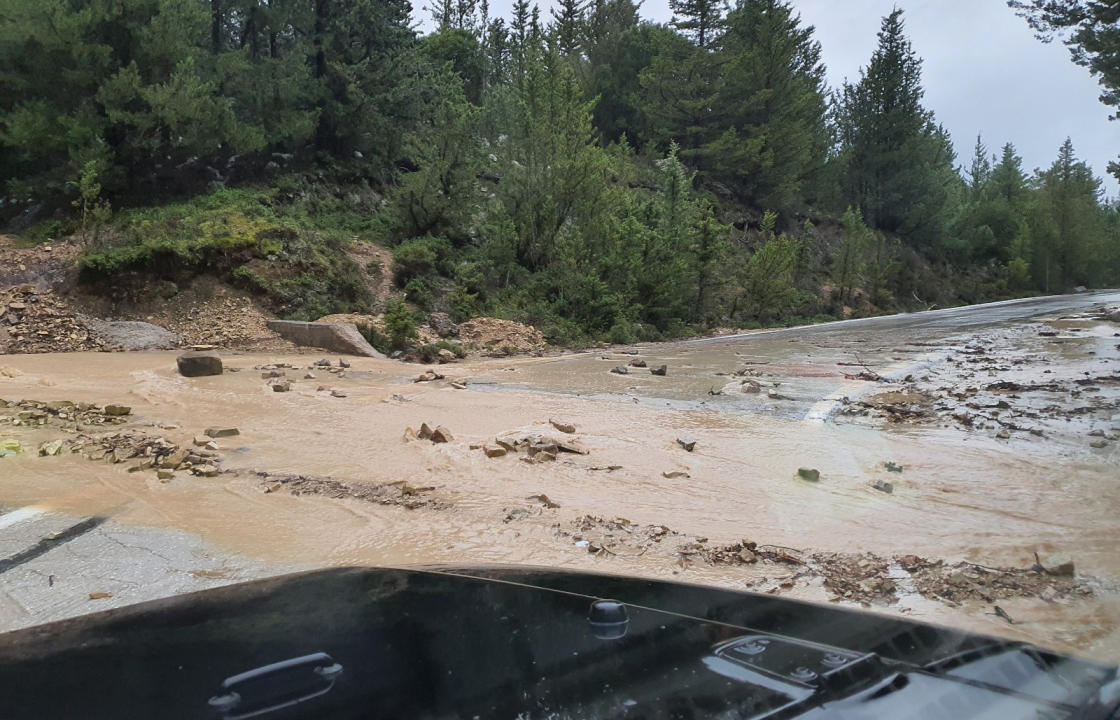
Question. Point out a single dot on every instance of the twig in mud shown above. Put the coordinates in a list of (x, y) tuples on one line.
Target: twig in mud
[(607, 550), (1000, 612)]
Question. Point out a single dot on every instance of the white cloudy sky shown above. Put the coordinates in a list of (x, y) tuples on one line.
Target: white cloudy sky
[(984, 73)]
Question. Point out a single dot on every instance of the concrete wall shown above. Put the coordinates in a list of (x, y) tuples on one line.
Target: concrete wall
[(337, 337)]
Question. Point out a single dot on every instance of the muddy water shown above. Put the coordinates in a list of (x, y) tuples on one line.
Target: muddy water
[(961, 495)]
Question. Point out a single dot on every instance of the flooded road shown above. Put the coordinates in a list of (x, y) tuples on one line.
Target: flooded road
[(992, 425)]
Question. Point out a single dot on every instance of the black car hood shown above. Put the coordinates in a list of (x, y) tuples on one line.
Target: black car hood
[(523, 643)]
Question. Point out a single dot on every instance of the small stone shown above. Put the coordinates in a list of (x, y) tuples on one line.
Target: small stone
[(638, 362), (201, 440), (620, 370), (1049, 594), (687, 443), (751, 386), (564, 427), (459, 385), (281, 386), (810, 474), (409, 434), (222, 432), (1098, 444), (659, 370), (425, 432), (1063, 569), (54, 447), (1003, 434), (174, 460), (675, 474), (441, 435), (883, 486), (747, 556), (117, 410), (205, 470), (338, 394), (892, 467), (100, 595), (446, 355), (164, 474), (323, 363), (323, 388), (343, 363), (494, 452), (506, 445), (309, 376)]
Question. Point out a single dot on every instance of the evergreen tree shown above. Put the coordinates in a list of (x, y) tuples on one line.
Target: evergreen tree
[(1067, 228), (771, 100), (980, 171), (700, 20), (1092, 34), (898, 161), (1007, 179), (568, 26)]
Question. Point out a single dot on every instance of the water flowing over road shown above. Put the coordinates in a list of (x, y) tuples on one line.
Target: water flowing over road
[(951, 446)]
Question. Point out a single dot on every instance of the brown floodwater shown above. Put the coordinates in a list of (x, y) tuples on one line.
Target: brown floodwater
[(960, 495)]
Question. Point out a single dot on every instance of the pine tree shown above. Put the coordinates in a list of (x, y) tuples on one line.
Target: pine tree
[(898, 161), (980, 171), (1092, 34), (568, 26), (1067, 224), (771, 100), (1007, 179), (699, 19)]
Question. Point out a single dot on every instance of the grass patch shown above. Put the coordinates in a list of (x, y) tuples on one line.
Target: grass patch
[(252, 237)]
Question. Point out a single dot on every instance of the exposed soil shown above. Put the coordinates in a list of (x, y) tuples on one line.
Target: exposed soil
[(500, 337)]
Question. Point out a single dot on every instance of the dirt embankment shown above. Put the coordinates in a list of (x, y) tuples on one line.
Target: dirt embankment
[(42, 310)]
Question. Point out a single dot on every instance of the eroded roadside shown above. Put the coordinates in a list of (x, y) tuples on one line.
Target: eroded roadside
[(1010, 535)]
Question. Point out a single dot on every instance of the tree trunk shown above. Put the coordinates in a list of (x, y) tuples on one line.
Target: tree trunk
[(216, 26)]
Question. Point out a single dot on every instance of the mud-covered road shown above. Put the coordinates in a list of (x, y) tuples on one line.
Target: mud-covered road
[(966, 468)]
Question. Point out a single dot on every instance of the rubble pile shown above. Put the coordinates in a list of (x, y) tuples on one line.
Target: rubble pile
[(618, 536), (39, 321), (858, 577), (532, 447), (62, 413), (955, 583), (399, 493), (492, 336)]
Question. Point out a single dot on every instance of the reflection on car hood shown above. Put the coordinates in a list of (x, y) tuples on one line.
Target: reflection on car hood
[(524, 643)]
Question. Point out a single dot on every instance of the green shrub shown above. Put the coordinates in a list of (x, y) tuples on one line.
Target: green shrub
[(430, 352), (420, 256), (375, 337), (418, 292), (399, 323)]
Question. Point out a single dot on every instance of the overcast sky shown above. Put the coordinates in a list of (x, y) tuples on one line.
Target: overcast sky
[(984, 72)]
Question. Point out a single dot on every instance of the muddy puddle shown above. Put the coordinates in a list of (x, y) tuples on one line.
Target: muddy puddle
[(917, 513)]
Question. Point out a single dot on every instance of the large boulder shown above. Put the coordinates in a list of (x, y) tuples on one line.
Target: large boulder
[(338, 337), (199, 363), (442, 324)]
